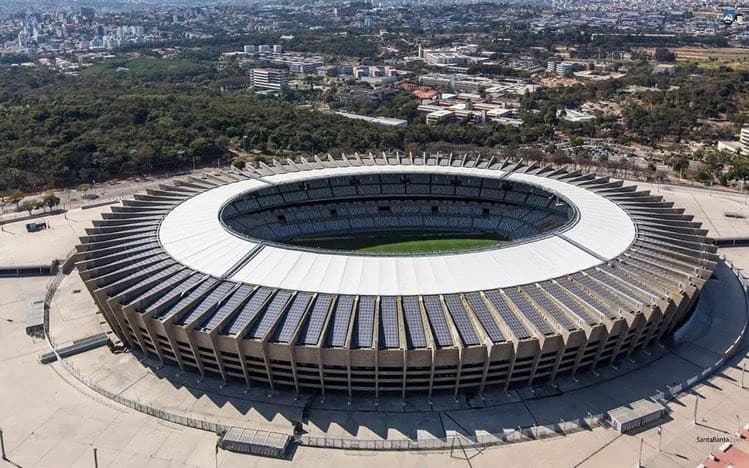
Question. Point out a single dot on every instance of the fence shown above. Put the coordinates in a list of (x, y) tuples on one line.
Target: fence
[(51, 289), (459, 440), (194, 423)]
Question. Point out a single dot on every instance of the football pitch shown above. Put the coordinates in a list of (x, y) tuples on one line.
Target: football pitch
[(406, 243)]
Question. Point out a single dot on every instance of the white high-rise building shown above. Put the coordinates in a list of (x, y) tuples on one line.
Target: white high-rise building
[(269, 78)]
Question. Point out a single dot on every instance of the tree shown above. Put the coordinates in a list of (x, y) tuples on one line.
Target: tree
[(50, 200), (679, 164), (662, 54), (14, 197), (239, 164), (27, 205)]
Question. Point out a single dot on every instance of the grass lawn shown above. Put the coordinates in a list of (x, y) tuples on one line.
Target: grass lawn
[(406, 243)]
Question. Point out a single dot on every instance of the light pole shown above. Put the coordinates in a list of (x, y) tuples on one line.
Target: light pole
[(96, 460), (738, 426), (639, 457), (2, 446), (696, 400), (660, 437)]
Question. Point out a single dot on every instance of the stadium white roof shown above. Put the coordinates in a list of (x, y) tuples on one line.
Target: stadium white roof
[(193, 235)]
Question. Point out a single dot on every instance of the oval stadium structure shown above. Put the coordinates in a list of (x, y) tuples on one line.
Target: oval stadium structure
[(220, 274)]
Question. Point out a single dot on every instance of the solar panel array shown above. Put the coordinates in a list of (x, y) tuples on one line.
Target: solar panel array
[(168, 282), (553, 310), (313, 329), (293, 317), (149, 278), (461, 320), (175, 292), (389, 336), (655, 270), (508, 316), (248, 313), (270, 317), (621, 287), (414, 324), (103, 268), (485, 317), (529, 311), (118, 281), (603, 292), (201, 308), (228, 307), (188, 299), (364, 322), (568, 302), (437, 319), (341, 317), (588, 300), (620, 273)]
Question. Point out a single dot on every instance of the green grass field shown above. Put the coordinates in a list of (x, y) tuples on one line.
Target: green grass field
[(406, 243)]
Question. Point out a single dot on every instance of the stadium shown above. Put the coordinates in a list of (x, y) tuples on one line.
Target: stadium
[(394, 274)]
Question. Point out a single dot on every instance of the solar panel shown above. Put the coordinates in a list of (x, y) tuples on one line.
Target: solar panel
[(313, 327), (414, 325), (437, 321), (604, 292), (175, 292), (121, 279), (529, 312), (621, 291), (389, 336), (577, 309), (271, 315), (508, 316), (293, 317), (621, 286), (97, 268), (188, 299), (485, 317), (620, 273), (341, 317), (461, 320), (552, 309), (150, 277), (587, 299), (248, 313), (164, 281), (656, 270), (364, 322), (227, 308), (216, 295)]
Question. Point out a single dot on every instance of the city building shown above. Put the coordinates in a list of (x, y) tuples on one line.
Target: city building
[(559, 68), (739, 147), (572, 115), (664, 69), (386, 121), (269, 78)]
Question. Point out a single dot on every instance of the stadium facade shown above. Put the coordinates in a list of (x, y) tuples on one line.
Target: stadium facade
[(206, 274)]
